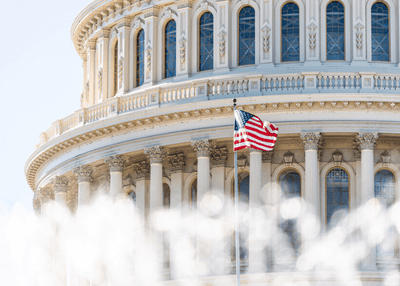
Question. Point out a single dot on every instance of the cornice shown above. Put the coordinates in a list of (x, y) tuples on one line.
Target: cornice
[(70, 140)]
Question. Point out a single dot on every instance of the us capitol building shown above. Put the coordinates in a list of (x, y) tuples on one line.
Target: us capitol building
[(155, 122)]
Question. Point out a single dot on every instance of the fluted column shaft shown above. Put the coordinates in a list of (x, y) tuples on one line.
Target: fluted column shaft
[(311, 142), (255, 255), (366, 143), (116, 165), (83, 174)]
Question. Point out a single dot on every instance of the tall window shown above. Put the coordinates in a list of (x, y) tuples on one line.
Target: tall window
[(337, 192), (335, 31), (380, 32), (290, 32), (170, 49), (247, 36), (116, 68), (206, 39), (290, 183), (385, 192), (140, 58)]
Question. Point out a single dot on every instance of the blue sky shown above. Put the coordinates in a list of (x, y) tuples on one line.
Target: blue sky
[(40, 82)]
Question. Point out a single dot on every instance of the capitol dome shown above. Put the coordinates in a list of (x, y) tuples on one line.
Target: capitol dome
[(155, 121)]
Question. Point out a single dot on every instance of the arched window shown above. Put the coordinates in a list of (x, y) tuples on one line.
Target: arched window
[(166, 195), (380, 32), (140, 58), (247, 36), (335, 31), (170, 49), (385, 192), (290, 32), (116, 68), (290, 183), (206, 32), (337, 192)]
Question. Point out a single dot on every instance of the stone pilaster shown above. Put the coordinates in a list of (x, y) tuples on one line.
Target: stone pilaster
[(183, 39), (83, 174), (141, 170), (91, 75), (116, 165), (103, 66), (123, 56), (151, 36), (366, 143)]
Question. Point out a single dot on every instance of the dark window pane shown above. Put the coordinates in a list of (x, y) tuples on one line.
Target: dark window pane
[(247, 35), (335, 31), (206, 56), (170, 49), (140, 58), (380, 32), (337, 196), (290, 33)]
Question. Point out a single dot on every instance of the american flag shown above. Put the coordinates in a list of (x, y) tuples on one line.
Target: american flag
[(252, 132)]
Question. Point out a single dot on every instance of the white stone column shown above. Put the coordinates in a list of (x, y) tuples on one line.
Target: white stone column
[(60, 184), (219, 265), (311, 142), (203, 149), (142, 188), (366, 143), (116, 165), (255, 253), (83, 174), (266, 199), (178, 259)]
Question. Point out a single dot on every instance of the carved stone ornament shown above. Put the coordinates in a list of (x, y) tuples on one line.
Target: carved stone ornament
[(337, 157), (266, 36), (218, 156), (311, 140), (60, 184), (148, 56), (359, 27), (203, 147), (312, 27), (87, 84), (83, 173), (100, 80), (115, 163), (288, 158), (385, 158), (156, 155), (366, 141), (222, 42), (36, 205), (204, 5), (120, 70), (242, 160), (45, 195), (128, 181), (267, 156), (182, 48), (177, 162), (141, 169), (168, 13), (138, 23)]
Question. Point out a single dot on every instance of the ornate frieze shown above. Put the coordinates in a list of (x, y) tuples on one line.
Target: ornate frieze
[(366, 141), (203, 147), (142, 170), (156, 155), (311, 140), (115, 163), (219, 156), (177, 162), (60, 184), (267, 156), (83, 173)]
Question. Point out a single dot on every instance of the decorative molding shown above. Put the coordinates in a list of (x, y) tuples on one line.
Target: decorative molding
[(385, 158), (156, 154), (182, 48), (267, 156), (203, 147), (83, 173), (60, 184), (219, 156), (115, 163), (204, 5), (266, 29), (337, 157), (148, 56), (138, 23), (168, 13), (177, 162), (142, 170), (127, 181), (366, 141), (120, 70), (100, 80), (311, 140), (222, 42), (312, 27), (288, 158), (359, 27), (242, 160), (45, 195)]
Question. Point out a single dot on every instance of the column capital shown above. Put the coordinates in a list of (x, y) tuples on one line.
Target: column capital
[(203, 147), (177, 162), (141, 169), (83, 173), (60, 184), (366, 141), (218, 156), (311, 140), (267, 156), (156, 155), (104, 34), (115, 163), (36, 205), (45, 195)]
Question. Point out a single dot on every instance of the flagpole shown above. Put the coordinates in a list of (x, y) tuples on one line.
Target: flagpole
[(236, 215)]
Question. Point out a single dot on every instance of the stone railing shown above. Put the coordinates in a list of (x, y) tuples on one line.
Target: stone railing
[(306, 83)]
